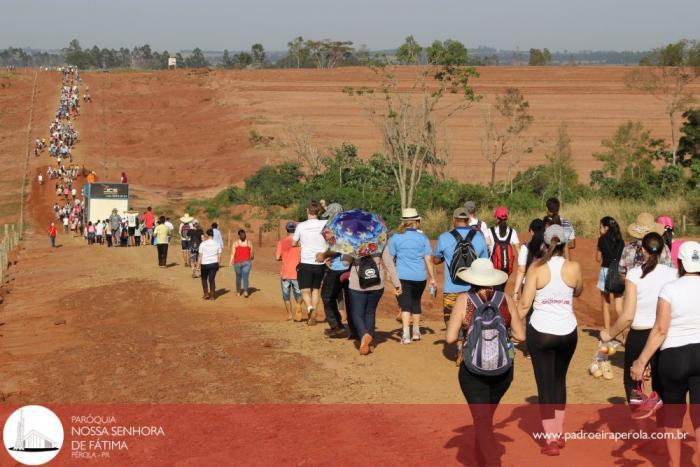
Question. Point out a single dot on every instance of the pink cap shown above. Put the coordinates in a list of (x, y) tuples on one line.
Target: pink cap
[(665, 221), (501, 213)]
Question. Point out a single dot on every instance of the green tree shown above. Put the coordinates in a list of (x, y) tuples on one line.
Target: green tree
[(257, 51), (689, 144), (75, 55), (666, 75), (244, 59), (409, 52), (537, 58), (196, 59), (298, 52), (629, 154), (329, 53), (547, 56), (227, 61), (447, 53)]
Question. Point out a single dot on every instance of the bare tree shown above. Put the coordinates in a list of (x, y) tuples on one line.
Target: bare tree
[(666, 75), (298, 51), (560, 158), (300, 142), (408, 118), (503, 132)]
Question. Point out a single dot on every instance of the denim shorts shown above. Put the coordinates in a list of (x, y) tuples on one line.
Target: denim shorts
[(287, 286)]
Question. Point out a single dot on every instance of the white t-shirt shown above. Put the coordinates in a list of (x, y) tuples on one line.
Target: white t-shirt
[(308, 234), (170, 227), (65, 220), (648, 292), (131, 219), (513, 238), (99, 229), (522, 255), (209, 251), (685, 319), (484, 230)]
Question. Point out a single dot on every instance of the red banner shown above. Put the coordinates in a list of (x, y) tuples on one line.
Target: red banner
[(203, 435)]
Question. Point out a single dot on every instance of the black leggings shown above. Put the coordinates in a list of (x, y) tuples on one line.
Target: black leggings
[(551, 355), (483, 393), (208, 276), (634, 344), (679, 369)]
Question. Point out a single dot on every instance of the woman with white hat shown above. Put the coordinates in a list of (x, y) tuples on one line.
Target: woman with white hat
[(414, 263), (550, 287), (184, 231), (483, 393), (676, 332)]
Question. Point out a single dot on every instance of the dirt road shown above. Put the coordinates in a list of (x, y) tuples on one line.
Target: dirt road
[(92, 324)]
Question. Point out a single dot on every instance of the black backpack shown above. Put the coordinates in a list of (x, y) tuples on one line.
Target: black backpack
[(614, 283), (368, 272), (486, 345), (463, 255)]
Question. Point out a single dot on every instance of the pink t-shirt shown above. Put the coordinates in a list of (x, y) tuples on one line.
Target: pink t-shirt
[(675, 246)]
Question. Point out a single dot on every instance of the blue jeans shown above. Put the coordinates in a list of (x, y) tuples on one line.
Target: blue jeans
[(242, 274), (289, 286), (363, 310)]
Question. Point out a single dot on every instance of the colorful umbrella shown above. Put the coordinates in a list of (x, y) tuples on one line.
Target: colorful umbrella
[(357, 233)]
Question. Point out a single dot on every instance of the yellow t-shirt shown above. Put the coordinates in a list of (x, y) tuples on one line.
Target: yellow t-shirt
[(161, 234)]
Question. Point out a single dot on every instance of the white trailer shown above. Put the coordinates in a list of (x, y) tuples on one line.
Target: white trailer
[(102, 198)]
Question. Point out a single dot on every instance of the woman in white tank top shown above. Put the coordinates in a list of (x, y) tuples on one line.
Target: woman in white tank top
[(550, 287)]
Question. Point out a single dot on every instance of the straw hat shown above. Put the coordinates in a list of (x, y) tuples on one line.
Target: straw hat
[(482, 273), (409, 214), (186, 218), (643, 225)]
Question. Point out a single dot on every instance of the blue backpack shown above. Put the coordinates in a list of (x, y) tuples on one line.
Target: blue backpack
[(486, 346)]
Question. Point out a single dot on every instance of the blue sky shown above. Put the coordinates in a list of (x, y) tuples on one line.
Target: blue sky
[(233, 24)]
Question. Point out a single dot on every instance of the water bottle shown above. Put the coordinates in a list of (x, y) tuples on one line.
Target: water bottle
[(433, 291), (511, 350)]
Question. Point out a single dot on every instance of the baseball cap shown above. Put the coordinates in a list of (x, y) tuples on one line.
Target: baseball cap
[(689, 255), (666, 221), (470, 206), (460, 213), (291, 227), (555, 231), (501, 213)]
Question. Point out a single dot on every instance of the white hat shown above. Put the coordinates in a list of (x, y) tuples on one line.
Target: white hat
[(409, 214), (186, 218), (555, 231), (689, 255), (482, 273)]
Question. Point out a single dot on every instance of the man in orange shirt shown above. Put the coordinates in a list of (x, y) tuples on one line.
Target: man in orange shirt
[(290, 256)]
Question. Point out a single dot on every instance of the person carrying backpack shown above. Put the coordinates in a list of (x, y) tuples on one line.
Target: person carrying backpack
[(488, 318), (184, 231), (457, 248), (505, 244)]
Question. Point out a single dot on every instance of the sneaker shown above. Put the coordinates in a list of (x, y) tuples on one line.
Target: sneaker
[(405, 339), (335, 333), (595, 370), (649, 405), (637, 397), (312, 319), (606, 369)]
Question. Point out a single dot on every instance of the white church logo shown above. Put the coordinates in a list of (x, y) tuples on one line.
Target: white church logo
[(33, 435)]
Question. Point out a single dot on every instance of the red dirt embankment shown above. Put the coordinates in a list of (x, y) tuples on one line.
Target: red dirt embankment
[(182, 129)]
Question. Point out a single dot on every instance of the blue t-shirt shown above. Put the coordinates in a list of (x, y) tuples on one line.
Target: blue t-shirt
[(410, 249), (445, 248)]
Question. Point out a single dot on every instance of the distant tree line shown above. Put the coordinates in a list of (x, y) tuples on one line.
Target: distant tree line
[(314, 53)]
